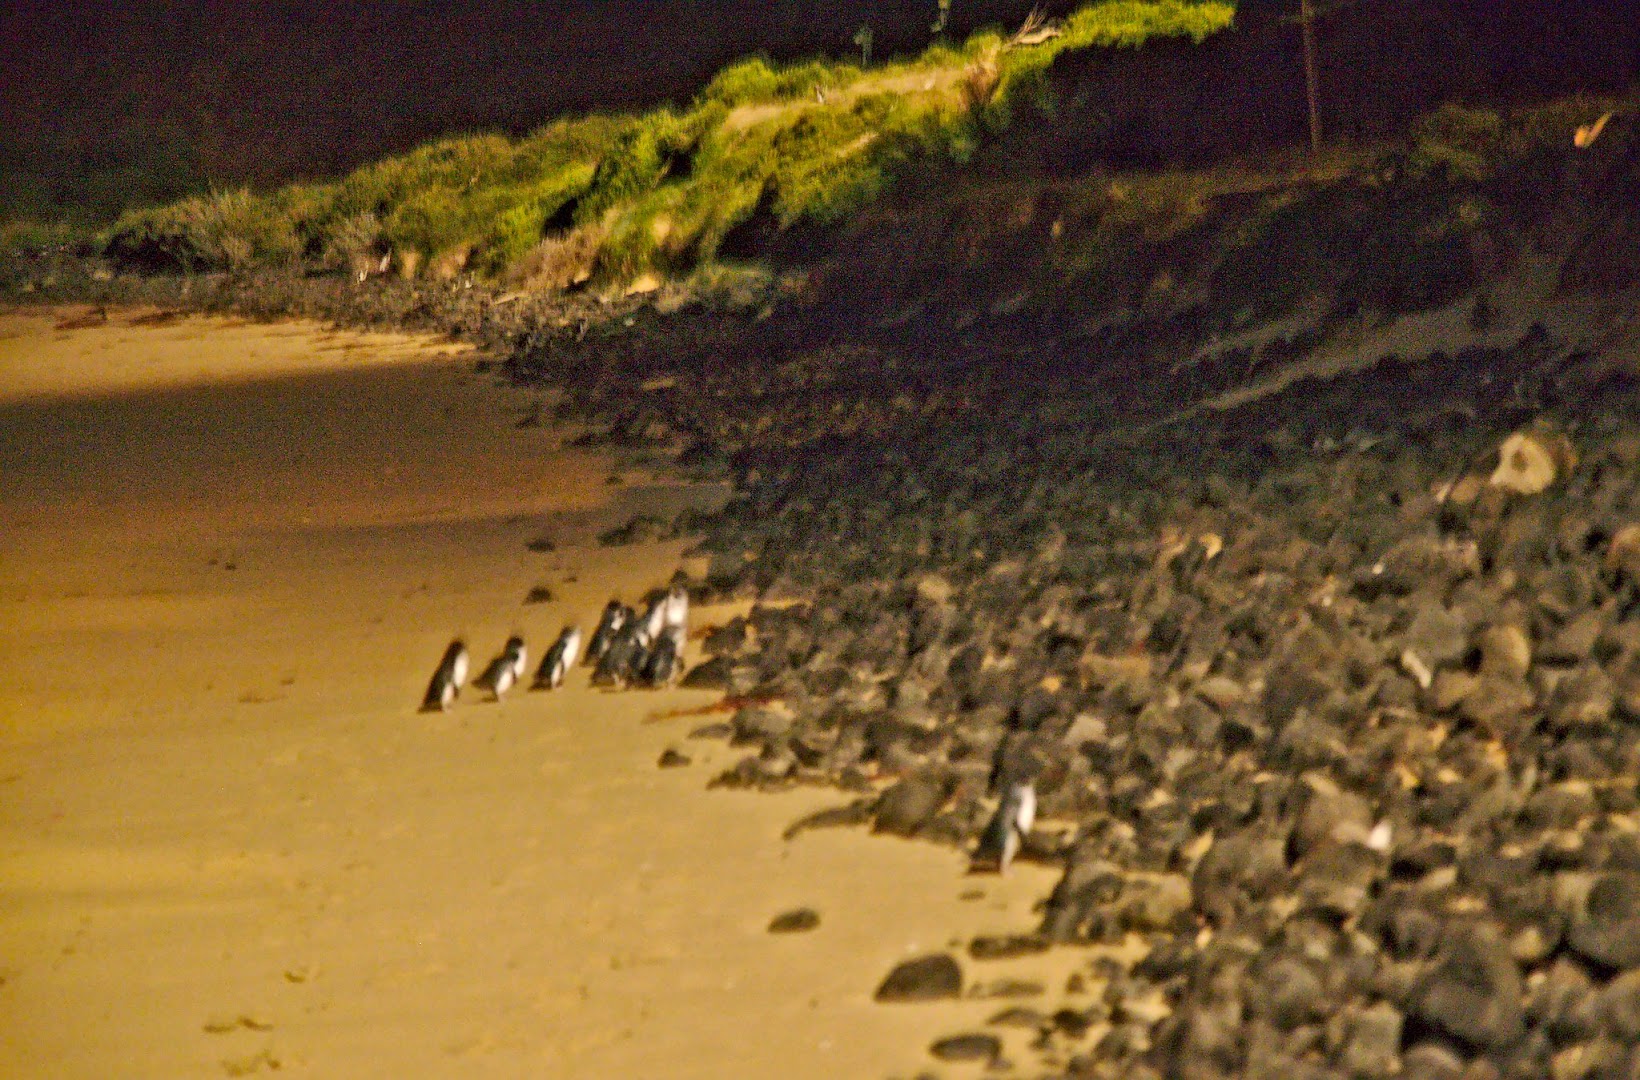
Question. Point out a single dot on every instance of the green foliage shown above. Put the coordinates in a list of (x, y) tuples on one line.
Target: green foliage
[(1460, 143), (659, 191), (754, 80), (1123, 24), (518, 227), (26, 236), (637, 160), (1128, 24), (228, 230)]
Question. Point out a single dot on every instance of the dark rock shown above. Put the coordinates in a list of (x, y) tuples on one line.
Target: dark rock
[(1432, 1061), (1338, 879), (794, 921), (1372, 1041), (978, 1047), (716, 673), (756, 724), (1073, 1023), (1021, 1017), (1575, 640), (1582, 700), (1564, 1003), (1496, 704), (927, 978), (671, 759), (1156, 902), (1006, 948), (1291, 686), (1331, 815), (1474, 989), (725, 640), (1288, 992), (1626, 683), (1089, 882), (717, 730), (909, 805), (1438, 637), (1618, 1005), (1606, 928), (1238, 868)]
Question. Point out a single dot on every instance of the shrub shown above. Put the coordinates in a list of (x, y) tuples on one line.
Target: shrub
[(1457, 142), (227, 230)]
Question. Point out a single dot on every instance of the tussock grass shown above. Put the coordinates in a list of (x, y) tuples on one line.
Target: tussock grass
[(612, 199)]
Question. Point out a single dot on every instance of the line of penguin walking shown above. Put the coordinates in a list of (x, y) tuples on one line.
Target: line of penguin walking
[(625, 650)]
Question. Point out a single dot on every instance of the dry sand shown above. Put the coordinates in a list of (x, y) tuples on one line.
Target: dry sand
[(230, 555)]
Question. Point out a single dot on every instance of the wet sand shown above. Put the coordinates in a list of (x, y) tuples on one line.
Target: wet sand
[(229, 844)]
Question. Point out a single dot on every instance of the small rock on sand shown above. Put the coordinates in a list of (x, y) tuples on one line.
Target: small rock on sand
[(927, 978)]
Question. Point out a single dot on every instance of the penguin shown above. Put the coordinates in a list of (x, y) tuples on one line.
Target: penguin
[(505, 670), (624, 657), (615, 616), (1008, 828), (664, 663), (448, 678), (654, 621), (676, 613), (559, 659)]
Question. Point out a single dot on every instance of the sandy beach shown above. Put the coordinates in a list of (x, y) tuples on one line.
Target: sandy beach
[(230, 845)]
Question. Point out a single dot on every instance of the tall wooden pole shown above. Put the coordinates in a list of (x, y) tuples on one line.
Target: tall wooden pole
[(1306, 18)]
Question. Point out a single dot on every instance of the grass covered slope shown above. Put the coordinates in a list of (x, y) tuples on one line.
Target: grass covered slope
[(619, 200)]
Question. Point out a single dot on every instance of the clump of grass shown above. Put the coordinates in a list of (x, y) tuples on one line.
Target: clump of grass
[(1461, 143), (754, 80), (226, 230)]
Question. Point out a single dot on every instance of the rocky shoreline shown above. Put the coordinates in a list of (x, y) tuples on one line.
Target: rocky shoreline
[(1339, 718), (1346, 731)]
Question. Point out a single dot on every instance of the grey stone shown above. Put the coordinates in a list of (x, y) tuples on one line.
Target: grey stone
[(1372, 1041), (1575, 640), (755, 724), (1606, 930), (1619, 1007), (909, 805), (1474, 990), (1583, 699), (1439, 637)]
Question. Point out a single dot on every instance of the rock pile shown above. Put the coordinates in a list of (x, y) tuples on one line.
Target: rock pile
[(1342, 703)]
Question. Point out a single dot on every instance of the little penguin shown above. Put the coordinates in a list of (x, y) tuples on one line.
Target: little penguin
[(505, 670), (676, 611), (448, 678), (654, 621), (1008, 828), (664, 663), (624, 658), (559, 659), (615, 616)]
